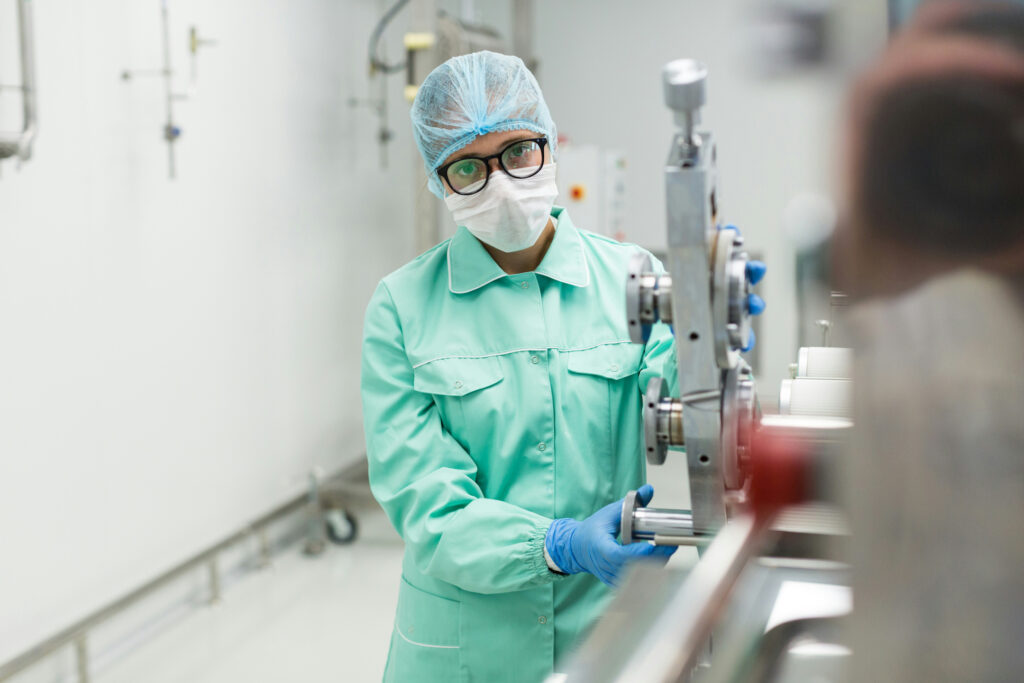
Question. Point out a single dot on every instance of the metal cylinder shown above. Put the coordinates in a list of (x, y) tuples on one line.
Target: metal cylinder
[(816, 397), (664, 298), (670, 422), (651, 522), (825, 362)]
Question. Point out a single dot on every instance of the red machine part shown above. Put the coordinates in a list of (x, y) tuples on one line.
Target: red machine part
[(782, 472)]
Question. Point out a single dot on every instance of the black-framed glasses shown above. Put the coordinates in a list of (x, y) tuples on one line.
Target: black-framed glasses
[(519, 159)]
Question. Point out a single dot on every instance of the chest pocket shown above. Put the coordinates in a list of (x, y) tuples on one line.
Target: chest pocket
[(611, 361), (602, 391), (462, 390)]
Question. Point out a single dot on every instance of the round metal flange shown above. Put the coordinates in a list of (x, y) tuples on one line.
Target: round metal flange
[(731, 473), (749, 415), (738, 415), (656, 448), (730, 316), (640, 298), (629, 505)]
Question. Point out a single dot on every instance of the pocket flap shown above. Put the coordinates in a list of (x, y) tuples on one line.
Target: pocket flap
[(613, 361), (427, 620), (457, 376)]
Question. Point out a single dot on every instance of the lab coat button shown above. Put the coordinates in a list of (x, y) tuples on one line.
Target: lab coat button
[(534, 360), (542, 619), (458, 385), (541, 446), (524, 285), (614, 368)]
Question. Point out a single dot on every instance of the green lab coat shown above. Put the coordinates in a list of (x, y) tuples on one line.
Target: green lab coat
[(493, 404)]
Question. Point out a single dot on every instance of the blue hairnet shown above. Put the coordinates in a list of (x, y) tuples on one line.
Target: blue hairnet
[(472, 95)]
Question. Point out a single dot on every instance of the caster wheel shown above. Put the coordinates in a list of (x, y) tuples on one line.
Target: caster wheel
[(341, 526)]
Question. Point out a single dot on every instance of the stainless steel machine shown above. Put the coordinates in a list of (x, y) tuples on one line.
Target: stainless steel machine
[(757, 482), (717, 405)]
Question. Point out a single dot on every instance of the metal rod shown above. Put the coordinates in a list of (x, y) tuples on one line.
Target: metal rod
[(651, 522), (701, 396), (264, 542), (28, 78), (169, 132), (80, 628), (696, 541), (214, 580), (82, 658)]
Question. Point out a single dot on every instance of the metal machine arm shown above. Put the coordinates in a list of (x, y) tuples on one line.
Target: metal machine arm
[(704, 296)]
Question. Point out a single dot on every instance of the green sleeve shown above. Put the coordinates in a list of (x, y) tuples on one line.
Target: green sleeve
[(425, 480)]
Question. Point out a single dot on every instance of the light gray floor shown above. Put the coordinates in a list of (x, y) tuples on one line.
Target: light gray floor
[(310, 619), (302, 620)]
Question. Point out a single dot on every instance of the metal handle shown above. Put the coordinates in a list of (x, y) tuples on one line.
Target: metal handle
[(684, 86)]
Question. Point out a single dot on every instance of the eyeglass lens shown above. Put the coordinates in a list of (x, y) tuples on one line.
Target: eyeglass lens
[(520, 160)]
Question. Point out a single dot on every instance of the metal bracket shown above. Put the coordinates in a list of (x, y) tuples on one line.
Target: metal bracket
[(648, 298)]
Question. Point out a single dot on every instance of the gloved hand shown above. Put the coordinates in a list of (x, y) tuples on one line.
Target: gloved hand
[(591, 545), (755, 304)]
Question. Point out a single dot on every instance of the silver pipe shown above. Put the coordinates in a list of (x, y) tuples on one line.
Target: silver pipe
[(21, 146), (689, 541), (701, 396), (523, 32), (82, 658), (169, 132), (651, 522), (214, 573), (28, 79)]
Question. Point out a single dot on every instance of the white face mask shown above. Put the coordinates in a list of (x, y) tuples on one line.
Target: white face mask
[(510, 213)]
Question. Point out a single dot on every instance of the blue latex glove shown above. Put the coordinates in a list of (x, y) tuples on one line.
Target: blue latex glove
[(755, 304), (592, 545)]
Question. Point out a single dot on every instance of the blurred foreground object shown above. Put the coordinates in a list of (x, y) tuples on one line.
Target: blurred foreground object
[(932, 251), (930, 248), (934, 158), (937, 488)]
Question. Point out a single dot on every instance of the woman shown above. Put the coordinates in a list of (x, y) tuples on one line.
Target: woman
[(502, 396)]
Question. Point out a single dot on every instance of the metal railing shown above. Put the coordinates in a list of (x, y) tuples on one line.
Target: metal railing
[(77, 634)]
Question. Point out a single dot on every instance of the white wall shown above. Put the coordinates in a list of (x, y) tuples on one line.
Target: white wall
[(176, 356)]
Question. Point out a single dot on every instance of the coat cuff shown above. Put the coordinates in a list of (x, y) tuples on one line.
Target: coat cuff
[(540, 562)]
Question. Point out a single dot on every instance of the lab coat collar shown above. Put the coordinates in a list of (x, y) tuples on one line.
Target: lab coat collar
[(470, 267)]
